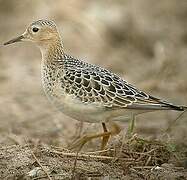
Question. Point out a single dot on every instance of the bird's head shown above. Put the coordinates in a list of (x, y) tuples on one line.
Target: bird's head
[(41, 32)]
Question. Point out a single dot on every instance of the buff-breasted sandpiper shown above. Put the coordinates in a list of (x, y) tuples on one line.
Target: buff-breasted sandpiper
[(84, 91)]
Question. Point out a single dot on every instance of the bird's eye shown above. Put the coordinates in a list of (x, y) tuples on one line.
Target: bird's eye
[(35, 29)]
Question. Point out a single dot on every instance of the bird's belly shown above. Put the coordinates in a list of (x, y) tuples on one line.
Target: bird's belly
[(92, 113), (86, 112), (73, 107)]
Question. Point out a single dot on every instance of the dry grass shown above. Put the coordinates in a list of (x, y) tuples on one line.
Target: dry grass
[(139, 159)]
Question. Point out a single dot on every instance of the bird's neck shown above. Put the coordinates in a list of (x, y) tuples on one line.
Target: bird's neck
[(52, 50)]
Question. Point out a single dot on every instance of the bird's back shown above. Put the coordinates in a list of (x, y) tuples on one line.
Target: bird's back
[(91, 84)]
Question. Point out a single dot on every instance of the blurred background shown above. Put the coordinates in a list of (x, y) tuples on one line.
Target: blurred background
[(143, 41)]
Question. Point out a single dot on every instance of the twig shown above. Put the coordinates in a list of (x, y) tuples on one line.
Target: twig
[(89, 156), (148, 160), (47, 174), (140, 153), (138, 173), (40, 177), (8, 147), (143, 167), (173, 122), (101, 151), (74, 166), (179, 168)]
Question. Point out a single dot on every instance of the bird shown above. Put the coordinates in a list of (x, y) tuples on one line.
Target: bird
[(84, 91)]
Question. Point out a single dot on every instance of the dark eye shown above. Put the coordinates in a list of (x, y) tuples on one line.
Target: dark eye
[(35, 29)]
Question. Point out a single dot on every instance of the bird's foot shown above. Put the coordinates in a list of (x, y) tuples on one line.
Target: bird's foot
[(82, 141)]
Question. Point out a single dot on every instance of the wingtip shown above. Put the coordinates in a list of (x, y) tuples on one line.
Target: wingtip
[(180, 108), (184, 108), (169, 105)]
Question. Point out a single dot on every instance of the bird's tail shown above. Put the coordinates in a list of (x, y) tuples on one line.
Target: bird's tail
[(184, 108), (168, 105), (178, 108)]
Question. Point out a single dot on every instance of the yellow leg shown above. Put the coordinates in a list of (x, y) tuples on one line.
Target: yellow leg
[(105, 138), (80, 142), (115, 129)]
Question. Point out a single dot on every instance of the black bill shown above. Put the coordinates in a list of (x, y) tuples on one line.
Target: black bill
[(17, 39)]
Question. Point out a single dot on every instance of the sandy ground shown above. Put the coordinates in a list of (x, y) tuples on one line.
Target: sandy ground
[(143, 41)]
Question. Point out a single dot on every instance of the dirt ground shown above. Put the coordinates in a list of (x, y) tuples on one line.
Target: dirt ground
[(143, 41)]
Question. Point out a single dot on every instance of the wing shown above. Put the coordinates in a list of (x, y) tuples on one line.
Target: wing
[(93, 84)]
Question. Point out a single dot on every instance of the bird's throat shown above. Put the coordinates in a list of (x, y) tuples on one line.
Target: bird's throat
[(52, 51)]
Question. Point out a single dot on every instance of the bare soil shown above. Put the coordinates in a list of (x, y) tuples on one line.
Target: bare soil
[(136, 158)]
